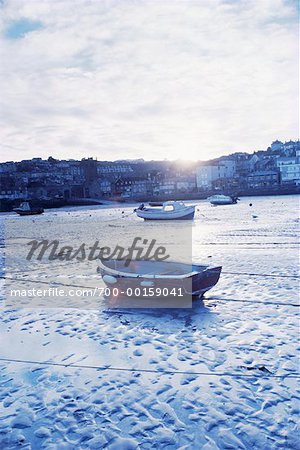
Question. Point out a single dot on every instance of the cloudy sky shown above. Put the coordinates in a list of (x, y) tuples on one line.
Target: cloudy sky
[(152, 79)]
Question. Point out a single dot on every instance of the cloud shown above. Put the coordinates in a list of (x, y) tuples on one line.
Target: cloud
[(129, 79)]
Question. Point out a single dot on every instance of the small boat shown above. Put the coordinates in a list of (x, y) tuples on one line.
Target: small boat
[(139, 275), (170, 210), (220, 199), (26, 210)]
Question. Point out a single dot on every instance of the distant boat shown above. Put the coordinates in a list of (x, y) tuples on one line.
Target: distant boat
[(170, 210), (192, 279), (220, 199), (26, 210)]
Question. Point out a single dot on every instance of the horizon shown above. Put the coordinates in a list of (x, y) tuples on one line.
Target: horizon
[(132, 160), (125, 80)]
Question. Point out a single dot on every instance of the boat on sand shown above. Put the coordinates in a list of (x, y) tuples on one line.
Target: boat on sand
[(220, 199), (155, 276), (170, 210), (26, 210)]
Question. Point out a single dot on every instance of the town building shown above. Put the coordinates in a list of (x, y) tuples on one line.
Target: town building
[(276, 145), (226, 168), (106, 168), (127, 187), (263, 179), (206, 175), (285, 160), (290, 174), (289, 167)]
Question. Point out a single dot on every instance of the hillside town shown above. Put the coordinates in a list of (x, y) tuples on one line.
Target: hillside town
[(54, 182)]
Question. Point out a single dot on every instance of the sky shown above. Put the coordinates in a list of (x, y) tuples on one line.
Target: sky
[(152, 79)]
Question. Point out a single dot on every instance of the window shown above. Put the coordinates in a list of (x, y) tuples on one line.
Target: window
[(169, 208)]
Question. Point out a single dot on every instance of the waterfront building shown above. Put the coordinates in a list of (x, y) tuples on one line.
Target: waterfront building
[(263, 179), (290, 174)]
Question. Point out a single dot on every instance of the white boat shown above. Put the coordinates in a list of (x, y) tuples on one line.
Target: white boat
[(190, 279), (220, 199), (170, 210)]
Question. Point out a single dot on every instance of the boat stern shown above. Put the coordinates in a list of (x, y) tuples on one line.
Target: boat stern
[(206, 280)]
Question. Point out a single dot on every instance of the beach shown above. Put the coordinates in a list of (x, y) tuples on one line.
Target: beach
[(220, 375)]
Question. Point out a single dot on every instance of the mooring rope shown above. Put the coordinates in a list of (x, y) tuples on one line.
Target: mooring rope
[(265, 372)]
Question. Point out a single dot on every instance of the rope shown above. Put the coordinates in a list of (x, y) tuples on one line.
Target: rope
[(266, 373), (261, 275), (253, 301), (237, 244), (250, 274)]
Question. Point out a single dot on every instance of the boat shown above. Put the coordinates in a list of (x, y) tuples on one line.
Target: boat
[(220, 199), (26, 210), (139, 275), (170, 210)]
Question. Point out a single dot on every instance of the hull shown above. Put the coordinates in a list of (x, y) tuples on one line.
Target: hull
[(205, 281), (195, 283), (222, 200), (29, 213), (25, 210), (228, 202)]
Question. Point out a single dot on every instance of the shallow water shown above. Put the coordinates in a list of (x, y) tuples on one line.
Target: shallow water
[(220, 375)]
